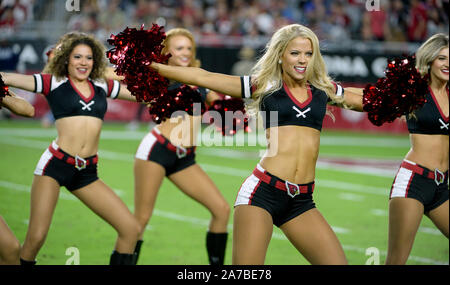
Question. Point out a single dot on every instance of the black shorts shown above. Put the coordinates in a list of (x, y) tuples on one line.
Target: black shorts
[(67, 170), (283, 200), (418, 182), (155, 147)]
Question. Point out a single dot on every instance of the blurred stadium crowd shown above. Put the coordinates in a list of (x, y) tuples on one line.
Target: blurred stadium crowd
[(355, 41), (249, 22)]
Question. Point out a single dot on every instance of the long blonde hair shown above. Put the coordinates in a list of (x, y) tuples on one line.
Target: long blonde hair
[(425, 56), (181, 32), (267, 73), (429, 51)]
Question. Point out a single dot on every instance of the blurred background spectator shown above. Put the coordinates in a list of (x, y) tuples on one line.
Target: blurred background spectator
[(246, 62), (230, 34), (239, 22), (7, 21)]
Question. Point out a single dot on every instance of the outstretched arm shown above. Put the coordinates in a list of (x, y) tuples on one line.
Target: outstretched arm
[(21, 81), (353, 98), (355, 90), (222, 83), (111, 74), (18, 105), (211, 97), (125, 94)]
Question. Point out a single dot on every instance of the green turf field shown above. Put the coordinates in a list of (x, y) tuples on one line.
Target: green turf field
[(353, 178)]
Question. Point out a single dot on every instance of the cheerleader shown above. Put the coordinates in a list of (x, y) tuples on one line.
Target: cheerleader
[(9, 244), (290, 79), (421, 184), (162, 153), (76, 92)]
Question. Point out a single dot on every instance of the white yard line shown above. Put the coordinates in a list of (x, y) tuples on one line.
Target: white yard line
[(204, 222), (222, 152), (27, 188), (240, 138), (212, 168), (129, 157)]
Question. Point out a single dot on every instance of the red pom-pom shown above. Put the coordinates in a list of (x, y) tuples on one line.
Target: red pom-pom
[(399, 93), (134, 51), (184, 98), (4, 90), (232, 115)]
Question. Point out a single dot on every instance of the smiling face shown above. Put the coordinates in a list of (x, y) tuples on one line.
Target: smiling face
[(181, 49), (439, 66), (81, 61), (295, 59)]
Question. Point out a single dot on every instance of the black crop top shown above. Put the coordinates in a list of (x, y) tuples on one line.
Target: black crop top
[(203, 91), (280, 108), (430, 119), (65, 100)]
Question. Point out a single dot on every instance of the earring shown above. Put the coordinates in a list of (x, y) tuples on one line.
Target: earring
[(279, 61)]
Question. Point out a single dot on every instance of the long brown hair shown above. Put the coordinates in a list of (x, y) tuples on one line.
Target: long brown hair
[(58, 64)]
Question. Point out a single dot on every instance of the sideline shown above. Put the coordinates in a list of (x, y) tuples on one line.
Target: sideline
[(239, 139), (373, 167), (204, 222)]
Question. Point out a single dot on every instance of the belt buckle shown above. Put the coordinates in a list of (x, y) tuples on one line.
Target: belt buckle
[(438, 177), (292, 189), (181, 152), (78, 165)]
